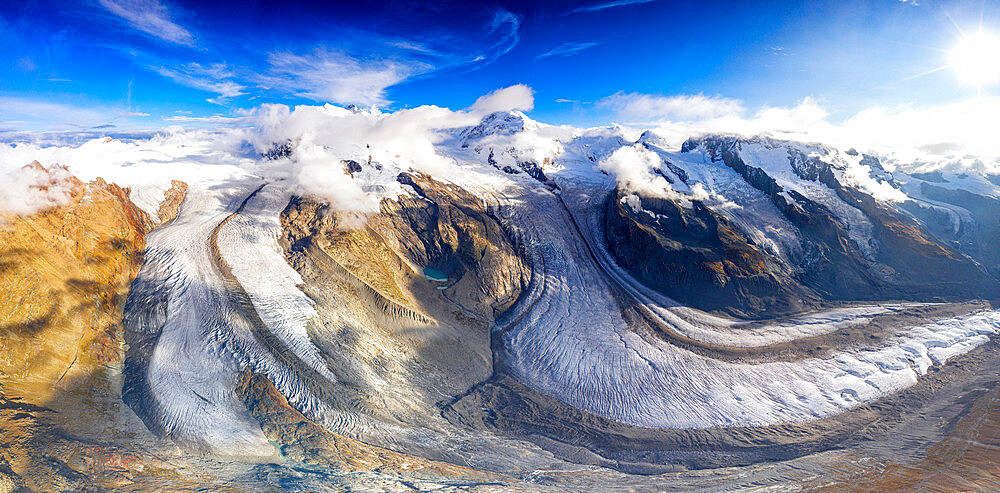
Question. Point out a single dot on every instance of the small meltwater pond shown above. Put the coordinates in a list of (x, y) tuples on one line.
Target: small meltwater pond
[(435, 275)]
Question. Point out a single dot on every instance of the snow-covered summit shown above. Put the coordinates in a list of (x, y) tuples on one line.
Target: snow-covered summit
[(498, 123)]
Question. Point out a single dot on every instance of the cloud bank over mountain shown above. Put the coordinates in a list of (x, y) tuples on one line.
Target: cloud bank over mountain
[(954, 135)]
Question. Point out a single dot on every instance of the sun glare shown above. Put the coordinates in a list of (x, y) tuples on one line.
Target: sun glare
[(976, 59)]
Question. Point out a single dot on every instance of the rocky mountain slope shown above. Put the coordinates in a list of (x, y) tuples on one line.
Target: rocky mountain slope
[(66, 273), (850, 244), (742, 310)]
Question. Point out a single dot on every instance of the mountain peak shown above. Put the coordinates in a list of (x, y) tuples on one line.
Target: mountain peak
[(499, 123)]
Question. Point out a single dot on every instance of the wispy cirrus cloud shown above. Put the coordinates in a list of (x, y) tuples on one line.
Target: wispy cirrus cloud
[(215, 78), (207, 119), (150, 17), (359, 70), (609, 5), (505, 29), (644, 108), (336, 75), (332, 76), (567, 49), (27, 114)]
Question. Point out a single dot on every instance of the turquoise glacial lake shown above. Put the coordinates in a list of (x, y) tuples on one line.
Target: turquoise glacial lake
[(435, 275)]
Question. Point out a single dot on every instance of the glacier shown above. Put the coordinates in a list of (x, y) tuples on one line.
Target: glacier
[(216, 296)]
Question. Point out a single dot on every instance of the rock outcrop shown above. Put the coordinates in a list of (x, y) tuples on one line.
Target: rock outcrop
[(697, 257), (64, 277), (855, 247)]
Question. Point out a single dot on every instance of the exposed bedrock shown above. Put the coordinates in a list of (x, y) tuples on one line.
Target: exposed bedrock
[(397, 341), (441, 226), (698, 258), (977, 228), (64, 278), (695, 255)]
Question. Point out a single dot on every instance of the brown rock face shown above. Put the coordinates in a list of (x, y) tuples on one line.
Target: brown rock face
[(64, 277), (387, 332), (172, 200), (698, 258), (909, 263), (443, 227)]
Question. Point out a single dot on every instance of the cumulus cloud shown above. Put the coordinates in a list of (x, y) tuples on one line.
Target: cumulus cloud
[(150, 17), (930, 133), (517, 97), (323, 137), (633, 167), (404, 140), (567, 49), (29, 189), (144, 164), (645, 108), (317, 175), (953, 129), (906, 133)]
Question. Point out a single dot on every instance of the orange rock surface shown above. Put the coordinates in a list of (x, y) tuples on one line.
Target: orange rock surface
[(64, 278)]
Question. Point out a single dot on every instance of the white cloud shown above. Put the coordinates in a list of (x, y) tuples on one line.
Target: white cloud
[(517, 97), (954, 129), (145, 164), (504, 28), (932, 132), (323, 136), (406, 140), (28, 189), (610, 5), (414, 46), (205, 119), (215, 78), (646, 108), (632, 166), (30, 114), (567, 49), (151, 17), (330, 76)]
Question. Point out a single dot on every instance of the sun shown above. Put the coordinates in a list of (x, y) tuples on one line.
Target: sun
[(976, 59)]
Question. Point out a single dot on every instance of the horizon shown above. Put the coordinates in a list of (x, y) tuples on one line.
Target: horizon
[(123, 67)]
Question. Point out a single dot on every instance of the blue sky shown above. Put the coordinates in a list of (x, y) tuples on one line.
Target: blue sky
[(139, 64)]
